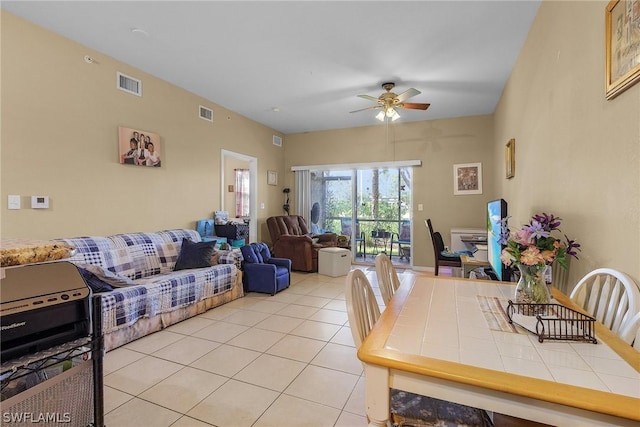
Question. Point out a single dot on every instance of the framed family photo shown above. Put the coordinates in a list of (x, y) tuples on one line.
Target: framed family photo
[(467, 178), (622, 34), (272, 177), (139, 147)]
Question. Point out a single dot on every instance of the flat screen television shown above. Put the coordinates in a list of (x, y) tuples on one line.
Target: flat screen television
[(496, 211)]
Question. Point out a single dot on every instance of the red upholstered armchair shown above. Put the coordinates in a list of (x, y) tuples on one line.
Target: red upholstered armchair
[(291, 239)]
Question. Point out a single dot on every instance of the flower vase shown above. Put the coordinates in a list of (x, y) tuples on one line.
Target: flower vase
[(531, 287)]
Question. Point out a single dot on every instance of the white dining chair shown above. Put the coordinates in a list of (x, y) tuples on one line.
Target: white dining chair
[(387, 277), (406, 408), (631, 333), (610, 296)]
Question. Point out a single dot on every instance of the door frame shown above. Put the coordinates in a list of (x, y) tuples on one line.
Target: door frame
[(253, 188)]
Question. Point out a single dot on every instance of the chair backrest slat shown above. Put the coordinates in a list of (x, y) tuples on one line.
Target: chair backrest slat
[(362, 307), (387, 277)]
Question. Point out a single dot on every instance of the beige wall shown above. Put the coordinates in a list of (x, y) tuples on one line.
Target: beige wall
[(60, 118), (439, 144), (577, 154)]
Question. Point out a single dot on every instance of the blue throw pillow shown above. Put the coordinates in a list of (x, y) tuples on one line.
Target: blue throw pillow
[(194, 255)]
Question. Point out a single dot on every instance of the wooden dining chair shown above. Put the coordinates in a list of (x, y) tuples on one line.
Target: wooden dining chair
[(610, 296), (387, 277), (438, 249), (406, 408)]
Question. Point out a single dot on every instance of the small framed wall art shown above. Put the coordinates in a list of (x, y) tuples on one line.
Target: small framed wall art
[(467, 179), (138, 147), (510, 158), (272, 177), (622, 46)]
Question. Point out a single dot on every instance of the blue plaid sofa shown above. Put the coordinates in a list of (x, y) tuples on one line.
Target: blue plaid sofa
[(154, 296)]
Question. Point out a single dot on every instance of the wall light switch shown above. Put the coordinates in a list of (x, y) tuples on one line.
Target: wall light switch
[(420, 207), (262, 205), (13, 202)]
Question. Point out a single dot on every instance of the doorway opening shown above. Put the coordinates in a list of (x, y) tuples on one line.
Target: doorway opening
[(229, 161)]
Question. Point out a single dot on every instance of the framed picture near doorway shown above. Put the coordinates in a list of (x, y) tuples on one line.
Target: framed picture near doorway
[(467, 179), (510, 158), (622, 34)]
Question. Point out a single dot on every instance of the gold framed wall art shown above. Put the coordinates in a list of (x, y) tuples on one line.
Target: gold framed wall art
[(622, 46), (510, 158)]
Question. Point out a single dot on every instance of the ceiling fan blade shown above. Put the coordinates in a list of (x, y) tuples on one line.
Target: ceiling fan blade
[(369, 97), (408, 94), (414, 106), (365, 109)]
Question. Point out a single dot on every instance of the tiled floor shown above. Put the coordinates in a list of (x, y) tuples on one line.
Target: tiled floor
[(261, 360)]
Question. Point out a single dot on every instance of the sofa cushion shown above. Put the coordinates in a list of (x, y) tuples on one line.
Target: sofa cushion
[(194, 255), (94, 281)]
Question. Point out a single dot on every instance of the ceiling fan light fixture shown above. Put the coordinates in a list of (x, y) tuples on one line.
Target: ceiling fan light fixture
[(380, 116)]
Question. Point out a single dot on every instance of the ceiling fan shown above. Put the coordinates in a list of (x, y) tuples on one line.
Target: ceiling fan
[(389, 101)]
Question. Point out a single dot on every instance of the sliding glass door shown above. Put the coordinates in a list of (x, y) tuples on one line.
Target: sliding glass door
[(372, 207)]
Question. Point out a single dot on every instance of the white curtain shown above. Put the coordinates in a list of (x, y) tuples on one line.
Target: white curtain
[(303, 193), (242, 192)]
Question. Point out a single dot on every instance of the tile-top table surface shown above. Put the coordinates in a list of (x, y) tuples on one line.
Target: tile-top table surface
[(442, 319)]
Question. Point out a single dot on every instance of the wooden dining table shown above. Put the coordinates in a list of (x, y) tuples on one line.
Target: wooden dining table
[(449, 338)]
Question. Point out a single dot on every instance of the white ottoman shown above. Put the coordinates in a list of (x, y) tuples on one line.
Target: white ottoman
[(334, 262)]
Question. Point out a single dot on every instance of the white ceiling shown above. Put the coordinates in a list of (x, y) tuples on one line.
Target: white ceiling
[(308, 59)]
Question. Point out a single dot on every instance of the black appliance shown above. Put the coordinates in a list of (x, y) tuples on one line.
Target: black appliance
[(41, 306)]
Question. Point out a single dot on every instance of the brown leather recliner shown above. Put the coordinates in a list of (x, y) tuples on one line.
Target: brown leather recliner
[(291, 239)]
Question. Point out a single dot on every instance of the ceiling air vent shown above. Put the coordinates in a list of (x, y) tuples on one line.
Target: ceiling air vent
[(206, 114), (129, 84), (277, 141)]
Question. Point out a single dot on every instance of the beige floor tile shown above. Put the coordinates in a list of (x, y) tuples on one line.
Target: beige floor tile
[(184, 389), (226, 360), (190, 422), (119, 358), (154, 342), (328, 290), (246, 317), (337, 304), (316, 330), (343, 336), (291, 411), (356, 403), (304, 287), (220, 331), (256, 339), (220, 313), (244, 303), (278, 323), (299, 311), (137, 412), (189, 326), (187, 350), (297, 348), (272, 372), (114, 398), (330, 316), (285, 297), (322, 385), (339, 357), (141, 374), (268, 306), (347, 419), (234, 404), (312, 301)]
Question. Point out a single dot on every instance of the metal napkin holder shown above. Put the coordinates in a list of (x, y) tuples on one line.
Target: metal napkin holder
[(552, 321)]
